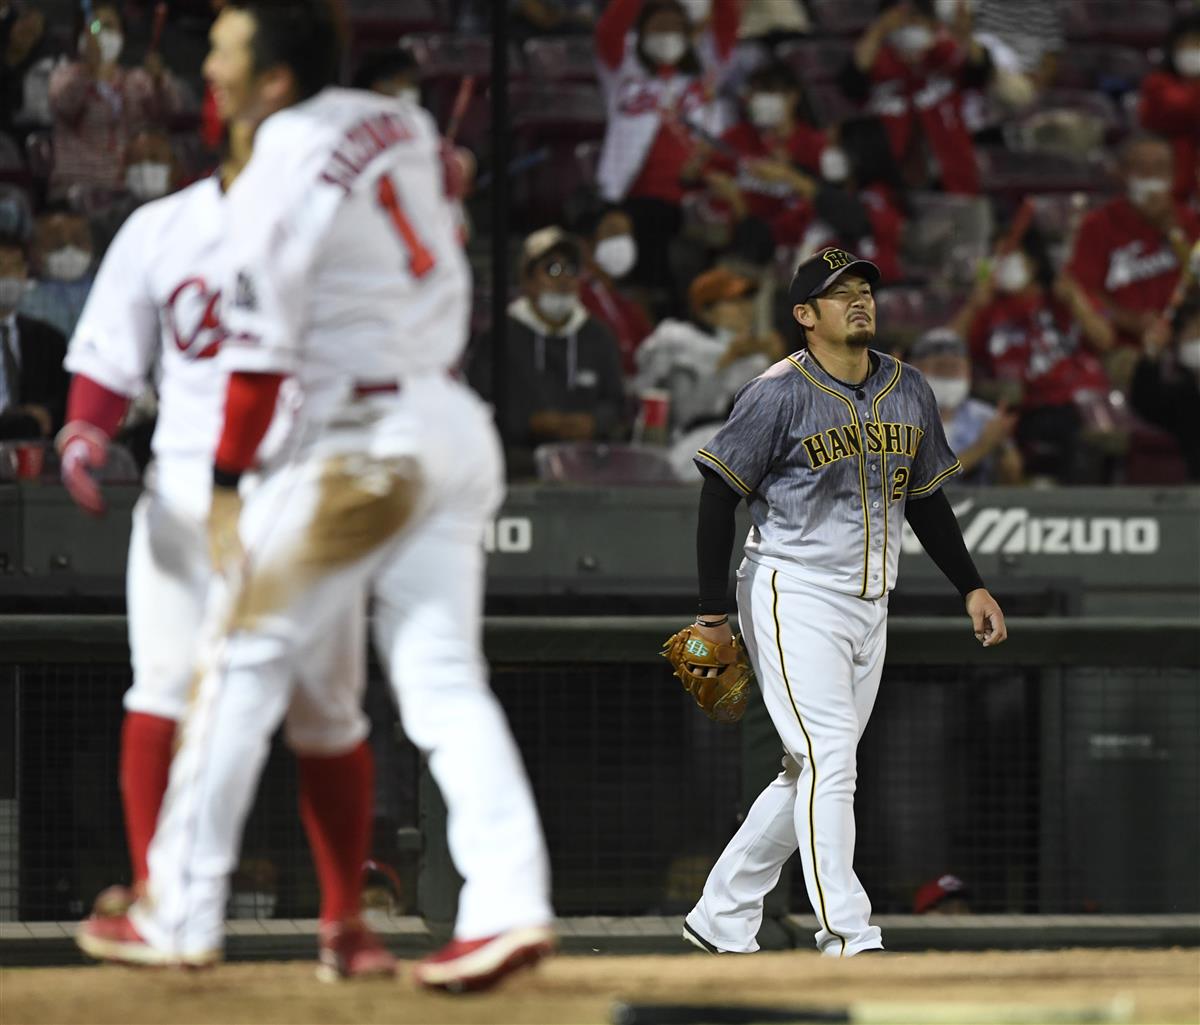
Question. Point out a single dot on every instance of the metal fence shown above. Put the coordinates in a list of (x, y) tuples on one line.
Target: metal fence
[(1059, 773)]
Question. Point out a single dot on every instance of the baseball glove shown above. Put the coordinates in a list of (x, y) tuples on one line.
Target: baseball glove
[(717, 675)]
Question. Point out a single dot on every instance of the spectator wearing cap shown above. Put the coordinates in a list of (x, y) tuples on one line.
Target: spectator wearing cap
[(98, 105), (659, 81), (610, 252), (979, 434), (1166, 383), (562, 373), (62, 264), (911, 71), (33, 384), (1033, 338), (703, 363), (945, 895), (1128, 253), (1169, 103)]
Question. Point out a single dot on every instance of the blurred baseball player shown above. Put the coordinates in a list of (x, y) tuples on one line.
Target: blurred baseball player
[(156, 306), (832, 448), (344, 273)]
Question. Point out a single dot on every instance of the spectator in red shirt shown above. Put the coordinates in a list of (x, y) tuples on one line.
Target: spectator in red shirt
[(911, 71), (610, 252), (1128, 252), (98, 105), (1170, 102), (657, 82), (1030, 335)]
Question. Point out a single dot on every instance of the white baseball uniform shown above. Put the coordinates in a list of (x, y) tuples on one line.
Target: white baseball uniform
[(346, 273), (827, 468), (154, 312)]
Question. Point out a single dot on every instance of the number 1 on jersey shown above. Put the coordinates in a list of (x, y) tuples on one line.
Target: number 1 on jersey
[(420, 259)]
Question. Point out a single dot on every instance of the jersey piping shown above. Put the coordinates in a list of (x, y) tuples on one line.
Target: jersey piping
[(883, 473), (924, 489), (733, 478), (862, 468)]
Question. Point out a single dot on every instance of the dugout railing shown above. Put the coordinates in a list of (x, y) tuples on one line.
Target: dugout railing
[(1056, 775)]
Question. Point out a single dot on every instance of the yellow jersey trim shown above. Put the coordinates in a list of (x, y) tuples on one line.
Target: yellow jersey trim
[(717, 464), (926, 488), (862, 468), (885, 488)]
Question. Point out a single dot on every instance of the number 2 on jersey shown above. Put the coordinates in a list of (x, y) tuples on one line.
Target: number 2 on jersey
[(899, 483), (420, 259)]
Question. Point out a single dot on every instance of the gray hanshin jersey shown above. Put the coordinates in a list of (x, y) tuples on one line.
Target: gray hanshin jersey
[(826, 468)]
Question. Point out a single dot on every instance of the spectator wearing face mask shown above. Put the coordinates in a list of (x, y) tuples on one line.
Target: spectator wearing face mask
[(1128, 253), (658, 81), (1031, 337), (62, 261), (609, 254), (562, 377), (979, 434), (33, 384), (704, 362), (1169, 104), (1166, 383), (98, 105), (911, 71)]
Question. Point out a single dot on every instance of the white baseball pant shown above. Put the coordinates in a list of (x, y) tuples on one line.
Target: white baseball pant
[(394, 498), (818, 655)]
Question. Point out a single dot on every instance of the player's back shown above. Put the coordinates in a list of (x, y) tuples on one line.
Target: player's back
[(346, 256)]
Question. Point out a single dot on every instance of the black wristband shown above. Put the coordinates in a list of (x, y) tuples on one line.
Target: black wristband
[(225, 478)]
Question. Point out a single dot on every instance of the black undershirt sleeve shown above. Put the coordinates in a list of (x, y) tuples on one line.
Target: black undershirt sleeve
[(715, 528), (936, 527)]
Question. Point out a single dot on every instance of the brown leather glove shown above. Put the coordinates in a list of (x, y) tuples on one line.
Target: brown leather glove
[(718, 676)]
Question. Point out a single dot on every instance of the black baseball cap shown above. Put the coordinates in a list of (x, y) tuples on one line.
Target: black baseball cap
[(821, 270)]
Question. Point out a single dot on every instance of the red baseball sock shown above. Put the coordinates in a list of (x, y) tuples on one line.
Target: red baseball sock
[(146, 742), (336, 798)]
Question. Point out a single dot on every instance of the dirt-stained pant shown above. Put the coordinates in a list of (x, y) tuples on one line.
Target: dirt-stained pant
[(391, 499)]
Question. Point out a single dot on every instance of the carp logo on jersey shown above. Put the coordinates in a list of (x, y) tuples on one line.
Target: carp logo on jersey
[(192, 315)]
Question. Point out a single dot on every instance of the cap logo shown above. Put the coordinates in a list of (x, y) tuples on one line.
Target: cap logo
[(836, 258)]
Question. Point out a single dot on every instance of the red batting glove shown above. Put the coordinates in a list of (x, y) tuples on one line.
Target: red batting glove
[(82, 449)]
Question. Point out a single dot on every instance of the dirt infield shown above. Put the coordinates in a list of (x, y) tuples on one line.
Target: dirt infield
[(1164, 984)]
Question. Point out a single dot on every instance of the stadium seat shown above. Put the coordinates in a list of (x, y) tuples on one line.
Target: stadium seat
[(561, 58), (1014, 175), (843, 17), (1110, 69), (1141, 23), (376, 23), (588, 462), (830, 105), (815, 60), (451, 55)]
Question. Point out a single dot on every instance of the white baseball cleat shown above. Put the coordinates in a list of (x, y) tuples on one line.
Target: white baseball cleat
[(117, 940)]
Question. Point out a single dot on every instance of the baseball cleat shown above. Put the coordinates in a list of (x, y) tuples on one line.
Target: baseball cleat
[(116, 940), (349, 950), (469, 965), (113, 901), (698, 941)]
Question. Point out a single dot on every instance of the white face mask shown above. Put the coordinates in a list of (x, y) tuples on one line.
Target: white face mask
[(616, 255), (1012, 273), (556, 306), (12, 291), (69, 263), (1187, 61), (697, 10), (911, 40), (111, 43), (767, 110), (835, 167), (1188, 353), (148, 180), (950, 392), (665, 47), (410, 94), (946, 11), (1142, 190)]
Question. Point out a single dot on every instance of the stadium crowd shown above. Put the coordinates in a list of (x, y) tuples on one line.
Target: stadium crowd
[(1026, 174)]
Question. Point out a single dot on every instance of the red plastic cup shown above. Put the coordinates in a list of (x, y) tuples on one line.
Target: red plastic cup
[(29, 459), (655, 416)]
